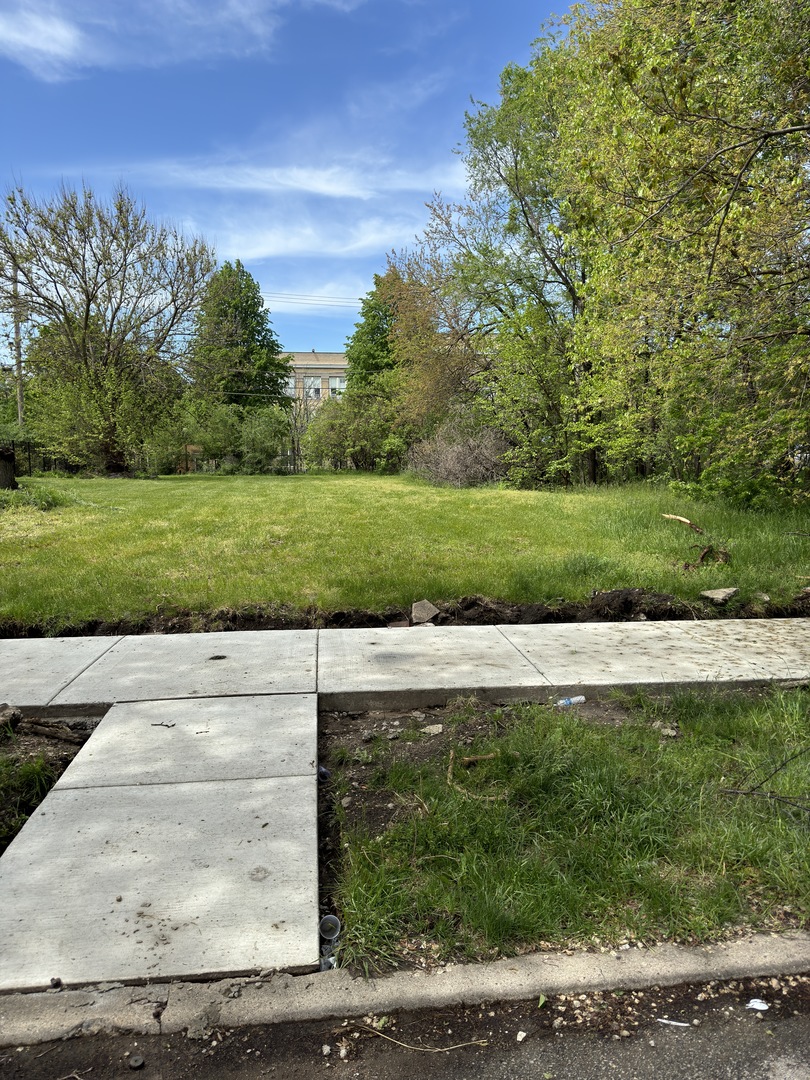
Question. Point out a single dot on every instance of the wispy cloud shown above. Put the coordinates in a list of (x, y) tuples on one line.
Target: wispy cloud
[(48, 45), (255, 236), (363, 177), (55, 39), (407, 93)]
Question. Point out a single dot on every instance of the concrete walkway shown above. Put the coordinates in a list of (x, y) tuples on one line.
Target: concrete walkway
[(181, 843)]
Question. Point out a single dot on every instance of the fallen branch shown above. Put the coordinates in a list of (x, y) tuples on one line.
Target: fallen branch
[(686, 521), (426, 1049), (53, 731), (720, 556)]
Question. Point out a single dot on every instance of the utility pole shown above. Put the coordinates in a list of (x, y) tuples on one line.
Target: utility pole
[(18, 349)]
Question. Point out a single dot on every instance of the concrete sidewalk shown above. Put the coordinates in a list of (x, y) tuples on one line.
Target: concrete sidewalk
[(181, 843), (402, 668)]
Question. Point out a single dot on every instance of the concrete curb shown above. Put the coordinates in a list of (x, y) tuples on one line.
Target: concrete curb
[(195, 1008)]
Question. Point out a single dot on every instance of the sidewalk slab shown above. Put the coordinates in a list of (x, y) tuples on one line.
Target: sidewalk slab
[(116, 884), (773, 648), (169, 742), (596, 655), (34, 670), (156, 666), (367, 669)]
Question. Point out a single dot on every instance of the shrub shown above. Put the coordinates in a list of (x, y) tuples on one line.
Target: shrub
[(460, 455)]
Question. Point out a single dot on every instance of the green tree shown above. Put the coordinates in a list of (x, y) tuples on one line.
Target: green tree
[(687, 155), (235, 356), (102, 415), (363, 429), (631, 263), (111, 294), (264, 437), (369, 350)]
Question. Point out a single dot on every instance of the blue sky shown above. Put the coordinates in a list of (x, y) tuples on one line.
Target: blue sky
[(300, 136)]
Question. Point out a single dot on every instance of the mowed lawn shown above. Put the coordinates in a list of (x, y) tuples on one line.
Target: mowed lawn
[(128, 548)]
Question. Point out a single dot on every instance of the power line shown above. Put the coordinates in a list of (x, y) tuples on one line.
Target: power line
[(310, 300)]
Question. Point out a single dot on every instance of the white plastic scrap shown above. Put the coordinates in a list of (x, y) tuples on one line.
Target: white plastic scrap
[(758, 1004), (672, 1023)]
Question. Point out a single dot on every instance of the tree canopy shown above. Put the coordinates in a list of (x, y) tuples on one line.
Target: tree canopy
[(627, 282)]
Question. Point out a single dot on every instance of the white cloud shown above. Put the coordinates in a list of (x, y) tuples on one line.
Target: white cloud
[(42, 41), (55, 39)]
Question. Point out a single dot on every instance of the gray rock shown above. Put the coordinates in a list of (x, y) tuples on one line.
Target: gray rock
[(719, 596), (432, 729), (423, 611)]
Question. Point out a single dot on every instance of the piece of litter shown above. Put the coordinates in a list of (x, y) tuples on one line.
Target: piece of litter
[(521, 1035), (326, 1050), (758, 1004), (672, 1023)]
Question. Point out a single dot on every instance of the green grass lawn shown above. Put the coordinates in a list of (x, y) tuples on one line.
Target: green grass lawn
[(573, 832), (128, 548)]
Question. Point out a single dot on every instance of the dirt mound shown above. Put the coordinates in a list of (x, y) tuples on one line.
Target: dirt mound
[(617, 605)]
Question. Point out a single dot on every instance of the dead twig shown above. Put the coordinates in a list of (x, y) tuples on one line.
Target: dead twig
[(426, 1049), (800, 802), (686, 521), (463, 791), (473, 759), (779, 767)]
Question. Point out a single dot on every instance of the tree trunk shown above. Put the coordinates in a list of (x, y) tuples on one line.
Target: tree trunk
[(7, 463)]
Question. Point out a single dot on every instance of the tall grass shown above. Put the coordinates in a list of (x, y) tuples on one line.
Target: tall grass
[(579, 833), (127, 548)]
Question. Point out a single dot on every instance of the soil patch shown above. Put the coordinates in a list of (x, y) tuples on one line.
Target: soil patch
[(34, 752), (616, 605)]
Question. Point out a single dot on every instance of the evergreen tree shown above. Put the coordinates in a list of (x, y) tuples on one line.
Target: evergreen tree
[(235, 356)]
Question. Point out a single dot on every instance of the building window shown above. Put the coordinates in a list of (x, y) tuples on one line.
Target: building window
[(289, 386), (312, 386), (337, 384)]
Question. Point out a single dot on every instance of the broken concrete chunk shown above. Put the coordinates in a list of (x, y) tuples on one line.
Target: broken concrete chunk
[(719, 596), (423, 611), (432, 729)]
